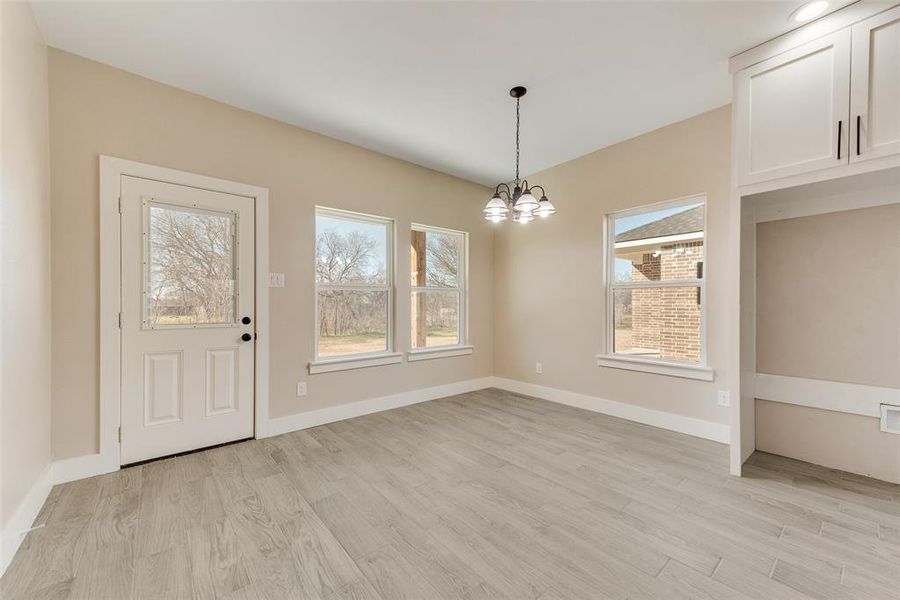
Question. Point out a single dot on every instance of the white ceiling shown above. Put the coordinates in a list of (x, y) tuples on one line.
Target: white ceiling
[(427, 81)]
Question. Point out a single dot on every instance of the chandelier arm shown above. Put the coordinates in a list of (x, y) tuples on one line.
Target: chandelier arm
[(543, 192), (498, 190)]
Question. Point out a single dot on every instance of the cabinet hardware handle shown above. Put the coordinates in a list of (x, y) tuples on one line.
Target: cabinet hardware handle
[(858, 120), (840, 127)]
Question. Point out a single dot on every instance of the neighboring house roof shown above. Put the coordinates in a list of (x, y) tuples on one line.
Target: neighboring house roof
[(688, 221)]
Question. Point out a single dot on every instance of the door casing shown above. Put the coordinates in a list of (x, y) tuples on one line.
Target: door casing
[(111, 172)]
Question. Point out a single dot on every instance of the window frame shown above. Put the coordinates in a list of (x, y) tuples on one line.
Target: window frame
[(678, 368), (324, 364), (461, 347)]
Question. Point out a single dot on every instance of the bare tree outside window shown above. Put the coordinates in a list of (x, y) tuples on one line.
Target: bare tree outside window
[(190, 267), (352, 277), (436, 259)]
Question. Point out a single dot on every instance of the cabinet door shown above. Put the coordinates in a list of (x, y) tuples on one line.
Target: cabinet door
[(793, 110), (875, 91)]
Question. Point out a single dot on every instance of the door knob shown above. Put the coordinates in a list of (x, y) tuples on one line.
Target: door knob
[(245, 320), (246, 337)]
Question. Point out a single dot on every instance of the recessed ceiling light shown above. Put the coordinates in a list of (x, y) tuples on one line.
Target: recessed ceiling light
[(809, 11)]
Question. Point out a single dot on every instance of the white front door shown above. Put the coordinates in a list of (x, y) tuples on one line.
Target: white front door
[(187, 318)]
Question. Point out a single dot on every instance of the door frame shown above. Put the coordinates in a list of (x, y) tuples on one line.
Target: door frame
[(111, 172)]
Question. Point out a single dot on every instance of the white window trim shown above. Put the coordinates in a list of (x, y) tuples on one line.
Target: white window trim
[(652, 365), (461, 348), (327, 364), (439, 352), (354, 361), (699, 370)]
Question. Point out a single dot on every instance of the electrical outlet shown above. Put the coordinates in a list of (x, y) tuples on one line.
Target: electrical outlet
[(724, 398), (301, 388), (538, 368), (276, 279)]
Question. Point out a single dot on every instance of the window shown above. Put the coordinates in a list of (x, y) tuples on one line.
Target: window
[(354, 280), (438, 284), (656, 287), (189, 268)]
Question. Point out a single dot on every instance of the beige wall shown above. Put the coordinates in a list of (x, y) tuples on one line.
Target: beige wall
[(838, 440), (828, 307), (95, 109), (25, 270), (549, 298), (828, 296)]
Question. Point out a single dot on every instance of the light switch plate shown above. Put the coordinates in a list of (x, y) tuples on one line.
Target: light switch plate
[(276, 279)]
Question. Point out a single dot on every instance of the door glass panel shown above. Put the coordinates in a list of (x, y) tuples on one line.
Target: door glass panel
[(190, 266)]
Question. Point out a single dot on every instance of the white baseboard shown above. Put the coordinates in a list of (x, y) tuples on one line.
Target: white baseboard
[(14, 532), (709, 430), (853, 398), (323, 416), (82, 467)]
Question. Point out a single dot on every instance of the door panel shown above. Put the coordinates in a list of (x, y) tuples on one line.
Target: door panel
[(793, 111), (187, 281), (875, 99), (221, 381), (162, 388)]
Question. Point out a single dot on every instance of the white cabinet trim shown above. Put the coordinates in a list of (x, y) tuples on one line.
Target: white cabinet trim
[(853, 398), (860, 88), (835, 21)]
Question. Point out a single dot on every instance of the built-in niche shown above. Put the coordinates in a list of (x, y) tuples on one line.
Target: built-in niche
[(820, 295)]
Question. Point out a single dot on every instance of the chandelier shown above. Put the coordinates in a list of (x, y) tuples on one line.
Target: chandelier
[(519, 201)]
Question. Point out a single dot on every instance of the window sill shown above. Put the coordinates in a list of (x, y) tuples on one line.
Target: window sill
[(354, 362), (439, 352), (659, 367)]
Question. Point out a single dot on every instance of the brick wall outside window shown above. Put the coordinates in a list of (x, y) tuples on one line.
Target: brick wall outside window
[(667, 319)]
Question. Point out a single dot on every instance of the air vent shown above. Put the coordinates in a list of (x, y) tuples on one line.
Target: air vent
[(890, 418)]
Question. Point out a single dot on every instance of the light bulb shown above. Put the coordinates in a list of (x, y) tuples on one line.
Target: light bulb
[(526, 202), (495, 207), (545, 208), (524, 217)]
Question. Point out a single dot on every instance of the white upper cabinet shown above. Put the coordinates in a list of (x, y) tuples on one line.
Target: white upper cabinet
[(793, 111), (875, 87)]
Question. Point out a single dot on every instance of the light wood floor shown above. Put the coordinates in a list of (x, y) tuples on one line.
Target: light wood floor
[(484, 495)]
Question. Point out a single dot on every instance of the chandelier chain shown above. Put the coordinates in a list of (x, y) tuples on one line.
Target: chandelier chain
[(517, 141)]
